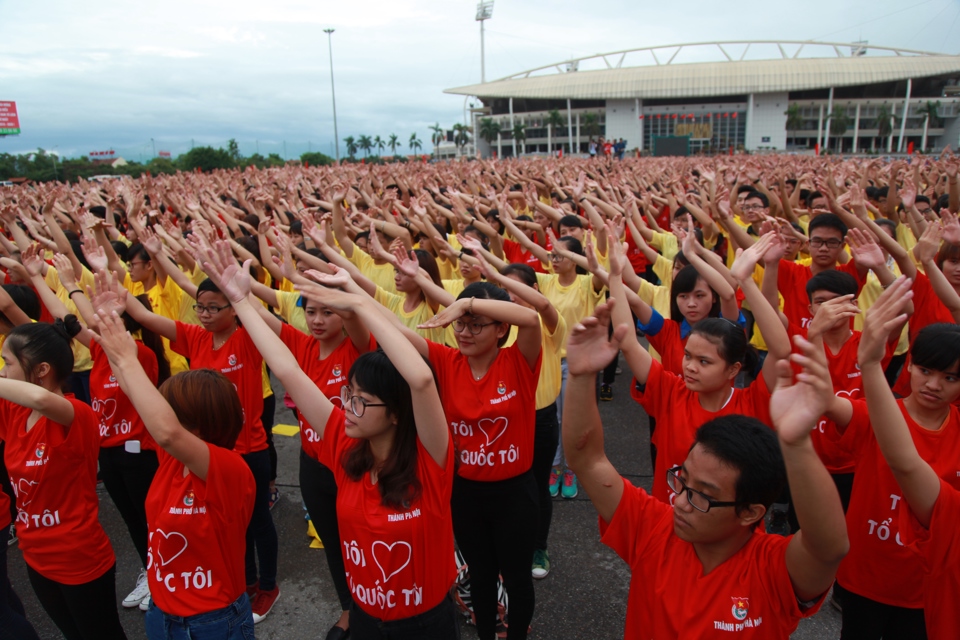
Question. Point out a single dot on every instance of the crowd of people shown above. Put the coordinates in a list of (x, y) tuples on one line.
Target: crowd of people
[(444, 333)]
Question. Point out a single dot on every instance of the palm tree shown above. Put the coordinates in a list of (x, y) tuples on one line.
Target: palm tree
[(554, 119), (884, 126), (591, 124), (794, 120), (436, 138), (839, 123), (520, 135), (929, 109), (379, 143), (461, 136), (365, 144), (351, 146), (489, 128), (414, 143), (393, 143)]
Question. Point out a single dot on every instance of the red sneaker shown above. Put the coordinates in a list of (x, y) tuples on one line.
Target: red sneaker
[(263, 602)]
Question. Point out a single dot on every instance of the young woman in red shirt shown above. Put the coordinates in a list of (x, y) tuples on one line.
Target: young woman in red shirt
[(706, 547), (223, 345), (200, 503), (715, 352), (887, 598), (930, 507), (51, 444), (128, 457), (392, 456)]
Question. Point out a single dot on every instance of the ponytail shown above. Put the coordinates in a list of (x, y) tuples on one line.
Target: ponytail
[(150, 339)]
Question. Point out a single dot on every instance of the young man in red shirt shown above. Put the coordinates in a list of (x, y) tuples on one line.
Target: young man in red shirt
[(705, 549)]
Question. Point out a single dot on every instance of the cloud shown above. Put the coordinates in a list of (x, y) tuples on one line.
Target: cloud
[(101, 74)]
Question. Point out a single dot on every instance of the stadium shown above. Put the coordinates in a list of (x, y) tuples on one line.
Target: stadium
[(719, 97)]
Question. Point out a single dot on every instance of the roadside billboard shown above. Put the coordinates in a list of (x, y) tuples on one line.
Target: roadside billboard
[(9, 121)]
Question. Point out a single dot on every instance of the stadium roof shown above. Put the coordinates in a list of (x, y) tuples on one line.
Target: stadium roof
[(729, 76)]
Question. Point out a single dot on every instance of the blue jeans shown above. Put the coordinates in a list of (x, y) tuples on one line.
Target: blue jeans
[(233, 622)]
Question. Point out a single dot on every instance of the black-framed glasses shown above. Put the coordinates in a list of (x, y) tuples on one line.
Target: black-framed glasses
[(699, 501), (475, 327), (356, 404), (556, 257), (832, 243), (212, 309), (752, 207)]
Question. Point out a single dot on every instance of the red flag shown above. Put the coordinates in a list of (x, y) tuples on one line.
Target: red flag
[(674, 116), (641, 116), (910, 148), (725, 115), (734, 115)]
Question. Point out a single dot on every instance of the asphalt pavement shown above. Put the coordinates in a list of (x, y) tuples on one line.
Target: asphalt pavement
[(584, 597)]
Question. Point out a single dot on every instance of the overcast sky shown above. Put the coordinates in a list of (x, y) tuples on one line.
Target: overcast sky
[(104, 74)]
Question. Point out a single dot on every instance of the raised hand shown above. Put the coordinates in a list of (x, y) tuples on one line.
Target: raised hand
[(830, 312), (589, 350), (928, 245), (746, 262), (114, 339), (340, 278), (886, 314), (406, 263), (110, 295), (864, 249), (951, 227), (796, 407), (65, 272), (32, 260)]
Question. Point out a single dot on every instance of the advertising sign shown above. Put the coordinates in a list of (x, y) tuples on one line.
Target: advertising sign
[(9, 121)]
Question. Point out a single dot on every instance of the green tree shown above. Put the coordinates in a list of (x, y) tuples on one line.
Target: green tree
[(365, 144), (436, 137), (591, 124), (520, 134), (351, 146), (393, 142), (489, 129), (884, 126), (794, 120), (316, 159), (380, 144), (233, 149), (414, 143), (839, 122), (554, 123), (461, 136), (930, 110), (205, 159)]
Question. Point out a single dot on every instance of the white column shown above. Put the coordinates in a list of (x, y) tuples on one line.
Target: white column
[(549, 140), (513, 140), (926, 127), (639, 104), (903, 118), (747, 131), (499, 145), (893, 113), (826, 129), (569, 127), (577, 143), (856, 128), (820, 130)]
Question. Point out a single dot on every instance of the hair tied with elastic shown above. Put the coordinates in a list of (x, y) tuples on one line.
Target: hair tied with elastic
[(68, 326)]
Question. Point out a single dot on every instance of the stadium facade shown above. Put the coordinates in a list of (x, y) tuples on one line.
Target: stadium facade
[(725, 96)]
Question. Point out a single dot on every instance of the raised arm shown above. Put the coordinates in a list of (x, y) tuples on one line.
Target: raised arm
[(813, 553), (161, 325), (714, 279), (588, 352)]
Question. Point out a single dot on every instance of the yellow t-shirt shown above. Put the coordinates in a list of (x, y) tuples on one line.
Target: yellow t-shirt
[(166, 301), (292, 313), (380, 274), (868, 297), (81, 355), (574, 302), (420, 314), (548, 386)]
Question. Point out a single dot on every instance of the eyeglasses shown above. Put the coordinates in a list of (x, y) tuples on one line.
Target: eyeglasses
[(212, 310), (356, 404), (753, 207), (699, 501), (556, 257), (831, 243), (475, 327)]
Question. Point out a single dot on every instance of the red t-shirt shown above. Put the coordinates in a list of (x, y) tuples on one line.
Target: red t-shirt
[(750, 594), (492, 419), (329, 374), (878, 566), (846, 379), (928, 309), (5, 518), (239, 360), (513, 251), (669, 345), (792, 282), (53, 470), (638, 261), (198, 533), (399, 563), (939, 550), (119, 420), (679, 415)]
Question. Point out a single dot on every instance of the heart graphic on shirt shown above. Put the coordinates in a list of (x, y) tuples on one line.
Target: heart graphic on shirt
[(388, 556), (171, 546), (24, 489), (108, 408), (493, 429)]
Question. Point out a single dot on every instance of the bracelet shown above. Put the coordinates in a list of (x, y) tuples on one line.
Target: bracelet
[(470, 307), (70, 295), (460, 255)]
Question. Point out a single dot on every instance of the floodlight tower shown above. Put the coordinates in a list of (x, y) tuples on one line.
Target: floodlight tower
[(333, 93), (484, 12)]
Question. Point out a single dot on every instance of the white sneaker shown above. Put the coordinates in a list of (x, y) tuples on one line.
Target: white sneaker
[(145, 604), (141, 591)]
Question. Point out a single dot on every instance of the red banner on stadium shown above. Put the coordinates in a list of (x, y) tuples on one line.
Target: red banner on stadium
[(9, 120)]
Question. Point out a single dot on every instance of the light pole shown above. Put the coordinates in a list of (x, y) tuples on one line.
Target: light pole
[(154, 147), (333, 93), (484, 12)]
